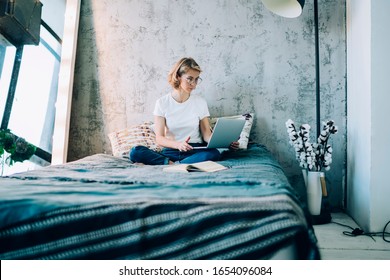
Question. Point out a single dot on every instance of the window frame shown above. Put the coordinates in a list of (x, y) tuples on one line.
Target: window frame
[(65, 84)]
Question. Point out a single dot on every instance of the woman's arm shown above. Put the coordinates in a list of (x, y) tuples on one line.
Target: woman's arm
[(205, 129), (162, 140)]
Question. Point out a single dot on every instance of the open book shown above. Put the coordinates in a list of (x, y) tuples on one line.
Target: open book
[(204, 166)]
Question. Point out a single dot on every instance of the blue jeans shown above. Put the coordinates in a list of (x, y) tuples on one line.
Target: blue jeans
[(144, 155)]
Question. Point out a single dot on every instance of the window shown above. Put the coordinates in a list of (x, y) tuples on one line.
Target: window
[(28, 95)]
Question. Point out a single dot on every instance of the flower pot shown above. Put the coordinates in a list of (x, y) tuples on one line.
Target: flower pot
[(314, 192)]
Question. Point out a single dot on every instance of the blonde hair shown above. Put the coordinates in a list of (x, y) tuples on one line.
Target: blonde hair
[(181, 67)]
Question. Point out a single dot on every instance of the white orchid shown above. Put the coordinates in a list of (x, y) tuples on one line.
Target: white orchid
[(312, 156)]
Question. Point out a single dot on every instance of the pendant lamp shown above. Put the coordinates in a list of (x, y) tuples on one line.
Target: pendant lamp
[(285, 8)]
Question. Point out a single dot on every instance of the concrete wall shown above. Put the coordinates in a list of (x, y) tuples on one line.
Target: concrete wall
[(253, 61), (368, 113)]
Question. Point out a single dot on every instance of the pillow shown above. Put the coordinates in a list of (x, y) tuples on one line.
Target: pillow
[(138, 135), (244, 136)]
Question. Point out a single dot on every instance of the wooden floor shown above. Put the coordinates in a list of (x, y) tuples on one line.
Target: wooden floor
[(334, 245)]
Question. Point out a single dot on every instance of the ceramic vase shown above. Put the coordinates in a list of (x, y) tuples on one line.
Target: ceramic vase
[(314, 192)]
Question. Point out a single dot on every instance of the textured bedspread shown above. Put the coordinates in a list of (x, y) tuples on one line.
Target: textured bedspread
[(103, 207)]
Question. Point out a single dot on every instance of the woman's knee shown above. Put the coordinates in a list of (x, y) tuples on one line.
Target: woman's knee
[(216, 155), (135, 153), (213, 155)]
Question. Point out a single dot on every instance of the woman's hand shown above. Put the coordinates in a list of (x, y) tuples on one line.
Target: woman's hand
[(184, 146), (234, 145)]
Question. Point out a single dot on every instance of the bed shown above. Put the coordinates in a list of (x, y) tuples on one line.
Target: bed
[(105, 207)]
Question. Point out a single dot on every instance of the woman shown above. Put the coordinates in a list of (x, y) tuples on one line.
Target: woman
[(181, 121)]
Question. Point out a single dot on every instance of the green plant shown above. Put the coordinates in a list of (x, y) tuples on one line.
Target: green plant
[(13, 148)]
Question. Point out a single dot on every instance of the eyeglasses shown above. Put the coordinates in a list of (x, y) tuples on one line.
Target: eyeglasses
[(193, 81)]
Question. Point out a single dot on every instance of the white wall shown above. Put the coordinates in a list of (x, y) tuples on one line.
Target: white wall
[(380, 187), (368, 134)]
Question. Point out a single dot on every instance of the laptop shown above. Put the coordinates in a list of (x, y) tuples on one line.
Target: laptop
[(225, 132)]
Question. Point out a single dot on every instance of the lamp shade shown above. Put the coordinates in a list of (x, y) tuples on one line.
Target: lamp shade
[(285, 8)]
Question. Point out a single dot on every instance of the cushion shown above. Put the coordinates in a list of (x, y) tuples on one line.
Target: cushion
[(138, 135), (244, 137)]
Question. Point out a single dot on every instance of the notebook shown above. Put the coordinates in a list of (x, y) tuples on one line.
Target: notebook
[(225, 132)]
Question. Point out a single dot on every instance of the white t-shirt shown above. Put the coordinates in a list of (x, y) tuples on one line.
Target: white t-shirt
[(182, 119)]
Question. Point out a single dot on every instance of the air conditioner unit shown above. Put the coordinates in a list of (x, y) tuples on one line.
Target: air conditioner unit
[(20, 21)]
